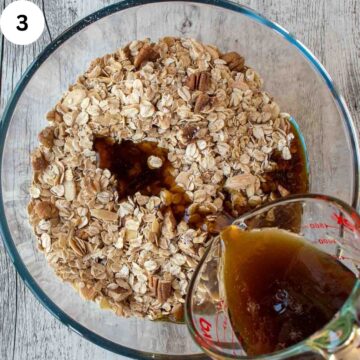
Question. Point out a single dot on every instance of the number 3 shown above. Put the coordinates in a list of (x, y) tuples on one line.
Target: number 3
[(22, 22)]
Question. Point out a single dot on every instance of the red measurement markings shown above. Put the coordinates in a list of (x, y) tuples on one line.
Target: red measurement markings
[(342, 221), (217, 327), (224, 328), (326, 241), (220, 307), (205, 327), (319, 226)]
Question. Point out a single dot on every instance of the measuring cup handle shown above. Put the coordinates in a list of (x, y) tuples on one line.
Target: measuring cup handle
[(341, 339), (351, 349)]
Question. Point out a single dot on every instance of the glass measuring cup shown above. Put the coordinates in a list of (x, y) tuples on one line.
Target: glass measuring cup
[(329, 224)]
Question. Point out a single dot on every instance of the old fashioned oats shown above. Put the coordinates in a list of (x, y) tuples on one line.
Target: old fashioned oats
[(217, 142)]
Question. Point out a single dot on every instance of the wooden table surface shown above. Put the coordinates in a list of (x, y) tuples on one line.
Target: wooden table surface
[(330, 28)]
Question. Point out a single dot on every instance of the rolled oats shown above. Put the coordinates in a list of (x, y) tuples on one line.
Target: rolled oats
[(220, 129)]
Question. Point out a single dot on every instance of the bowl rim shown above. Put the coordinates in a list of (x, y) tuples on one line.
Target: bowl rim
[(47, 51)]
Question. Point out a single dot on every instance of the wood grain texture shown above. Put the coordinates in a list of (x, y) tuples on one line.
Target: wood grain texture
[(330, 28)]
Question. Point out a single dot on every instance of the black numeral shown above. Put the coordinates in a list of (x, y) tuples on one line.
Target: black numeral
[(22, 22)]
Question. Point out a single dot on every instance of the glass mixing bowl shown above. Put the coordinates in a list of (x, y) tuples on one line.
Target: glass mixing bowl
[(292, 75)]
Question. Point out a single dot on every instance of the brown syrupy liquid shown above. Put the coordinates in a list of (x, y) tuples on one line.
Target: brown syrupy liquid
[(291, 174), (279, 289), (128, 161)]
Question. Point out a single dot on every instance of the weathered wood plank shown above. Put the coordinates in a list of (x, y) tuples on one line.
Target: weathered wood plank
[(15, 60), (330, 28)]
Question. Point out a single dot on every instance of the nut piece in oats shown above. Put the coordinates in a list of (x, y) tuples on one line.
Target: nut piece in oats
[(200, 103), (146, 53), (234, 60), (46, 137), (198, 81), (38, 161), (164, 290), (46, 210), (153, 284)]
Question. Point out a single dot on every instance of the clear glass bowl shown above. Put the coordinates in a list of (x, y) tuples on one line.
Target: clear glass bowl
[(292, 75)]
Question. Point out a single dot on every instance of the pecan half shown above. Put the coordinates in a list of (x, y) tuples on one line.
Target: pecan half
[(234, 60), (153, 284), (191, 82), (38, 161), (46, 210), (46, 137), (146, 53), (198, 81), (164, 290), (201, 101)]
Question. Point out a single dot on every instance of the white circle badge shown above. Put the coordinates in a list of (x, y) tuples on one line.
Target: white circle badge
[(22, 22)]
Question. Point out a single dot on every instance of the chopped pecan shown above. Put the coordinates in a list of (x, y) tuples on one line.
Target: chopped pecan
[(146, 53), (187, 134), (127, 51), (177, 313), (169, 40), (201, 101), (204, 81), (38, 161), (164, 290), (46, 137), (46, 210), (234, 60), (161, 289), (153, 284), (191, 82), (198, 81), (53, 115)]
